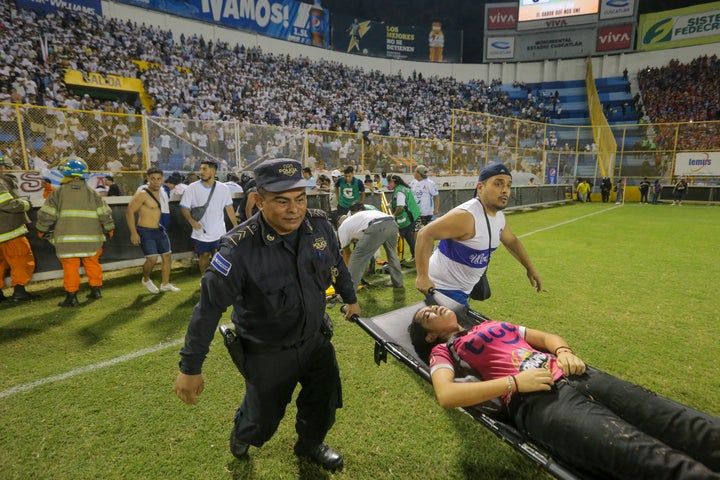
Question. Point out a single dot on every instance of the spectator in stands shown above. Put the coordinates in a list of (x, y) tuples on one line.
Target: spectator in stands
[(113, 189), (232, 184), (307, 175)]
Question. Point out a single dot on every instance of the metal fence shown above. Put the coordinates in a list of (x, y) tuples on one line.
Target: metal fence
[(37, 138)]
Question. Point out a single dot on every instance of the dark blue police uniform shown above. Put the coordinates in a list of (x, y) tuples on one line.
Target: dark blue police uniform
[(276, 285)]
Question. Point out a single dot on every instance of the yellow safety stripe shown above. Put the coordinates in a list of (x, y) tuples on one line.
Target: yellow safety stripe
[(21, 230), (103, 209), (79, 238), (78, 213), (5, 197), (49, 210), (77, 255)]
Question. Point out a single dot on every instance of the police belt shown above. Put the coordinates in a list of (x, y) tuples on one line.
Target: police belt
[(254, 347)]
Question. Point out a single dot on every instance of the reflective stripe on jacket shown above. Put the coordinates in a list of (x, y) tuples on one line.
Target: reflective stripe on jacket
[(78, 218)]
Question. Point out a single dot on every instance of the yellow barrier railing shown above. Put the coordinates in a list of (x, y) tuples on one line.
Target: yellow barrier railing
[(37, 138)]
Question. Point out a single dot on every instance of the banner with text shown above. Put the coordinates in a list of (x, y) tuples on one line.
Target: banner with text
[(284, 19), (542, 45), (82, 6), (603, 38), (680, 27), (612, 9), (698, 164), (387, 40)]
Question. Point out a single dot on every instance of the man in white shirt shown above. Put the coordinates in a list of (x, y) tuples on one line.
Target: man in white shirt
[(208, 229), (371, 229), (426, 195)]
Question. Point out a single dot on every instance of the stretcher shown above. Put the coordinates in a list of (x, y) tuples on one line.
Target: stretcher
[(390, 332)]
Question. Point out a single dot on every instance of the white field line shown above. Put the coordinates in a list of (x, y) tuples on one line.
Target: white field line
[(569, 221), (89, 368), (145, 351)]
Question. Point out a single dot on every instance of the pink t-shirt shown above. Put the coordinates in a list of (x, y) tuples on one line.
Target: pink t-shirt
[(494, 350)]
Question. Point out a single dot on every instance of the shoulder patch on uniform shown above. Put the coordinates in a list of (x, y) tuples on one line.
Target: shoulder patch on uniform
[(317, 213), (221, 264)]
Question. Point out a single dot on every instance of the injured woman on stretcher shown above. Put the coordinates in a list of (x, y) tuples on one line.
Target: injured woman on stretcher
[(607, 426)]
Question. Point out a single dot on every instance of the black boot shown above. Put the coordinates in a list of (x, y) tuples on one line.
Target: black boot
[(95, 293), (2, 296), (20, 294), (70, 300), (321, 454)]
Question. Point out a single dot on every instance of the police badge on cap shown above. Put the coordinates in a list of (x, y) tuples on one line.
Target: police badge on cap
[(279, 175)]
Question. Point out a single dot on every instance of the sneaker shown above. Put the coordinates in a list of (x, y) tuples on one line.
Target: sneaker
[(168, 287), (150, 286)]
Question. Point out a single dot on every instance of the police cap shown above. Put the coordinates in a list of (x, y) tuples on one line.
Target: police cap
[(279, 175)]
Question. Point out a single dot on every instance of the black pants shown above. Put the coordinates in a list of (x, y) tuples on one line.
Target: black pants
[(616, 429), (271, 378)]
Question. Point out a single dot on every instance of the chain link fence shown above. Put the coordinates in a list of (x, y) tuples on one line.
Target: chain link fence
[(125, 145)]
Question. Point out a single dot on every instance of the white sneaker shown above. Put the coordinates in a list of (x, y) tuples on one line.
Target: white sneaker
[(169, 287), (150, 286)]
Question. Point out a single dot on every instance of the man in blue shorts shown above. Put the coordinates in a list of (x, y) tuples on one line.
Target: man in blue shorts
[(149, 233), (215, 197)]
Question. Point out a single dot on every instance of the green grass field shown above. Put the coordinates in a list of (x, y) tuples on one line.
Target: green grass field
[(87, 393)]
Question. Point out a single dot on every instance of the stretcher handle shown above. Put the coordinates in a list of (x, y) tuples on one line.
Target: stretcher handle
[(353, 318)]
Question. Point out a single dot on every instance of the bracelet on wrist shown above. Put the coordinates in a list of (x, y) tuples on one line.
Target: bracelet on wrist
[(563, 348), (509, 389)]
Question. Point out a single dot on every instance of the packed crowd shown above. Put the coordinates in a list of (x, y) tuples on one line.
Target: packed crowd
[(273, 89), (681, 92)]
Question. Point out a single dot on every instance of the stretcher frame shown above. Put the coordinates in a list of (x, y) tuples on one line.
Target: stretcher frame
[(389, 330)]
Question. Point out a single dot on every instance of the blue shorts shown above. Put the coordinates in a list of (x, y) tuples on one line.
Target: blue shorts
[(457, 295), (206, 247), (154, 241)]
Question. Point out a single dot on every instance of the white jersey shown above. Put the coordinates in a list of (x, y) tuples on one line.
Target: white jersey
[(213, 222), (424, 191), (459, 265)]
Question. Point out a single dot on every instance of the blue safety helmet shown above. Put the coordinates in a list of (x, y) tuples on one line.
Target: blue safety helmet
[(74, 167)]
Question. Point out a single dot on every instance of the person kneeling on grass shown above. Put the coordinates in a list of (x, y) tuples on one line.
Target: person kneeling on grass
[(592, 420)]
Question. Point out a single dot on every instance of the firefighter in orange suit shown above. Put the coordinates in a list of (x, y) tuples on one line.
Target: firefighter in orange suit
[(15, 251), (76, 219)]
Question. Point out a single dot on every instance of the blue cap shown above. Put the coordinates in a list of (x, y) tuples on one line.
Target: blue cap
[(492, 170)]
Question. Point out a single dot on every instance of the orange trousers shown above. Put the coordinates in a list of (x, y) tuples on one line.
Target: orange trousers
[(71, 271), (17, 254)]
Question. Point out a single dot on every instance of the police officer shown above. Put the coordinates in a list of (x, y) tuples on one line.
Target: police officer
[(274, 269)]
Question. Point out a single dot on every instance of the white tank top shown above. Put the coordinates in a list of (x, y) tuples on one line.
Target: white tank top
[(458, 265)]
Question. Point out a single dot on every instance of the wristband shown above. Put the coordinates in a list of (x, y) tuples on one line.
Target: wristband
[(563, 347), (510, 389)]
